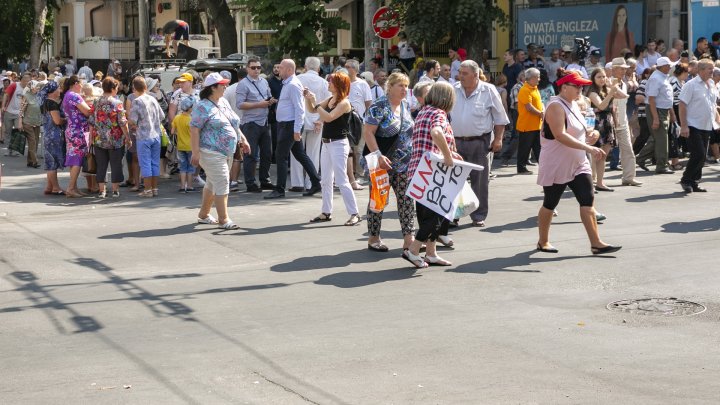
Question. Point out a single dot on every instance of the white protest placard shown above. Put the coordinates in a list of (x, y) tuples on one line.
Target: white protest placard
[(437, 186)]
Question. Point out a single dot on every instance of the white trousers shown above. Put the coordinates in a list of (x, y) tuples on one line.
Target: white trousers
[(627, 156), (311, 140), (333, 163)]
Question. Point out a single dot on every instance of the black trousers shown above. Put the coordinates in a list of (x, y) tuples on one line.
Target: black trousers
[(642, 139), (286, 143), (697, 144), (526, 142), (581, 186), (430, 224), (113, 158), (258, 136)]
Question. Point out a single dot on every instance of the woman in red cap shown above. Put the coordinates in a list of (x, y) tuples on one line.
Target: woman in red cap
[(565, 142)]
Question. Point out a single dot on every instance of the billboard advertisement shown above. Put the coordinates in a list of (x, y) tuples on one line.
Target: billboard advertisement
[(704, 17), (611, 27)]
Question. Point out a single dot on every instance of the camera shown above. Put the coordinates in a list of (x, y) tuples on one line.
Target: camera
[(583, 47)]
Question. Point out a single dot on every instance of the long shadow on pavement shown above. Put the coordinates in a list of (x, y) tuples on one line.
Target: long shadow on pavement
[(342, 259), (653, 197), (354, 279), (505, 264), (704, 225)]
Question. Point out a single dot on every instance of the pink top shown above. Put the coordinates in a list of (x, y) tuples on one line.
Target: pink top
[(558, 163)]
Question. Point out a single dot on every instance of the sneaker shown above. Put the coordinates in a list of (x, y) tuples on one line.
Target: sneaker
[(234, 186), (199, 181), (599, 217), (116, 194)]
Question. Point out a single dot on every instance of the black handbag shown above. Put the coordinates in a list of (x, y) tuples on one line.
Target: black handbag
[(355, 124), (17, 141)]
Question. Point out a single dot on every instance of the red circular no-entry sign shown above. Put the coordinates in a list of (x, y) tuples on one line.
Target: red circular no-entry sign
[(386, 23)]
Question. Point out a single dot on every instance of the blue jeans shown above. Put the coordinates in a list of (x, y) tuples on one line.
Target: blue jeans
[(184, 158), (148, 151)]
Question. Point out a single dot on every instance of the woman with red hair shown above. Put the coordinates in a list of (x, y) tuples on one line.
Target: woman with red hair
[(335, 113)]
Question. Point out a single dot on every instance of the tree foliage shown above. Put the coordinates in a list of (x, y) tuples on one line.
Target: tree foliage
[(297, 23), (467, 22), (16, 27)]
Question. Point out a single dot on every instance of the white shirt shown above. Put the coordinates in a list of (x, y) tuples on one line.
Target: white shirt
[(13, 106), (478, 114), (620, 104), (359, 94), (376, 92), (426, 78), (442, 79), (552, 68), (700, 103), (230, 96), (454, 69), (651, 59), (658, 86), (318, 86), (581, 69), (87, 72)]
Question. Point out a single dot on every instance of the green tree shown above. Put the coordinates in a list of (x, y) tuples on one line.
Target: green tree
[(469, 22), (297, 23), (23, 27)]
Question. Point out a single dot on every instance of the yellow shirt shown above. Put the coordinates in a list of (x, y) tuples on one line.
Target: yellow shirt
[(528, 121), (181, 125)]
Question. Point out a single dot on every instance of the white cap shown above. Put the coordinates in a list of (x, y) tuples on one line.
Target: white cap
[(215, 78), (665, 61), (608, 65)]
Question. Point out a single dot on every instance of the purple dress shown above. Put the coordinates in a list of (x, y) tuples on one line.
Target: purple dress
[(76, 132)]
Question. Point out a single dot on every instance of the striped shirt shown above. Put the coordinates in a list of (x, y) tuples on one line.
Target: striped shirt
[(641, 92)]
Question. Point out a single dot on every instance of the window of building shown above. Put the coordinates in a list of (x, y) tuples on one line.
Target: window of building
[(132, 19), (64, 41)]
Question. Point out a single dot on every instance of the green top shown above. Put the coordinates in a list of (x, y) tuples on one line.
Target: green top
[(32, 114)]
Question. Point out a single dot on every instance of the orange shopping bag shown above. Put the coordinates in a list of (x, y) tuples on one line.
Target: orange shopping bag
[(379, 181)]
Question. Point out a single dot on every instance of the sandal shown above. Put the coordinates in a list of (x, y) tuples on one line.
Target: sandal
[(155, 192), (208, 220), (323, 217), (229, 226), (146, 194), (357, 186), (354, 220), (416, 260), (436, 261), (445, 240), (378, 247), (73, 194)]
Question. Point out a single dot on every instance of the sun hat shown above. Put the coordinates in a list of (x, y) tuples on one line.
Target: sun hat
[(151, 83), (665, 61), (573, 77), (619, 62)]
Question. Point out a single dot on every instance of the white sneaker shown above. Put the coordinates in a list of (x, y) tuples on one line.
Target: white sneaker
[(199, 181)]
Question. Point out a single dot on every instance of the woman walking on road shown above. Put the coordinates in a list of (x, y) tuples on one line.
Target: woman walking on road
[(54, 124), (564, 162), (214, 135)]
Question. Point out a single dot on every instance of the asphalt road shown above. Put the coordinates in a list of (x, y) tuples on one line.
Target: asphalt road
[(128, 301)]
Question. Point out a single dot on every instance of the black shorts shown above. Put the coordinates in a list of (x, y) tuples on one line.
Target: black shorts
[(182, 32), (715, 137)]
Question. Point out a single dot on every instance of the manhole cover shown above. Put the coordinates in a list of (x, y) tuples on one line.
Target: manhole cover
[(657, 306)]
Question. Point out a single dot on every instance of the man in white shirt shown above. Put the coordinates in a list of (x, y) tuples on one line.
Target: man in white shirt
[(698, 113), (85, 73), (375, 89), (553, 64), (478, 120), (11, 107), (652, 56), (660, 114), (432, 71), (312, 130), (360, 98), (445, 74), (622, 128)]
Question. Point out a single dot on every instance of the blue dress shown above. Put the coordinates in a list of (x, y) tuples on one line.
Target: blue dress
[(53, 140)]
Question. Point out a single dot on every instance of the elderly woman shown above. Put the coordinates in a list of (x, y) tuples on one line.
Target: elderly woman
[(564, 163), (31, 120), (76, 110), (335, 113), (110, 135), (432, 133), (162, 99), (146, 116), (214, 135), (388, 129), (53, 123)]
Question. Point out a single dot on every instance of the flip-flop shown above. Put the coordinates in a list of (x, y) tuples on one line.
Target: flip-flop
[(416, 260), (229, 226), (378, 247), (208, 220)]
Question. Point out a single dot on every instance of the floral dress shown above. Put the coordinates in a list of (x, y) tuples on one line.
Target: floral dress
[(107, 123), (76, 132), (394, 133), (217, 124), (53, 142)]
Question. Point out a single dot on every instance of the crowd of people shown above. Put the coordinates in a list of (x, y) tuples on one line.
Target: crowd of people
[(570, 115)]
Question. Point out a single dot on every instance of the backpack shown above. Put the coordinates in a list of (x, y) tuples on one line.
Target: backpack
[(355, 124)]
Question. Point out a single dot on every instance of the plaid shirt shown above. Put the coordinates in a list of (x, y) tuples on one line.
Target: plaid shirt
[(429, 118)]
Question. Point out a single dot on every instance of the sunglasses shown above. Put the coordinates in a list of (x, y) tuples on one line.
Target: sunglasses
[(255, 67)]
